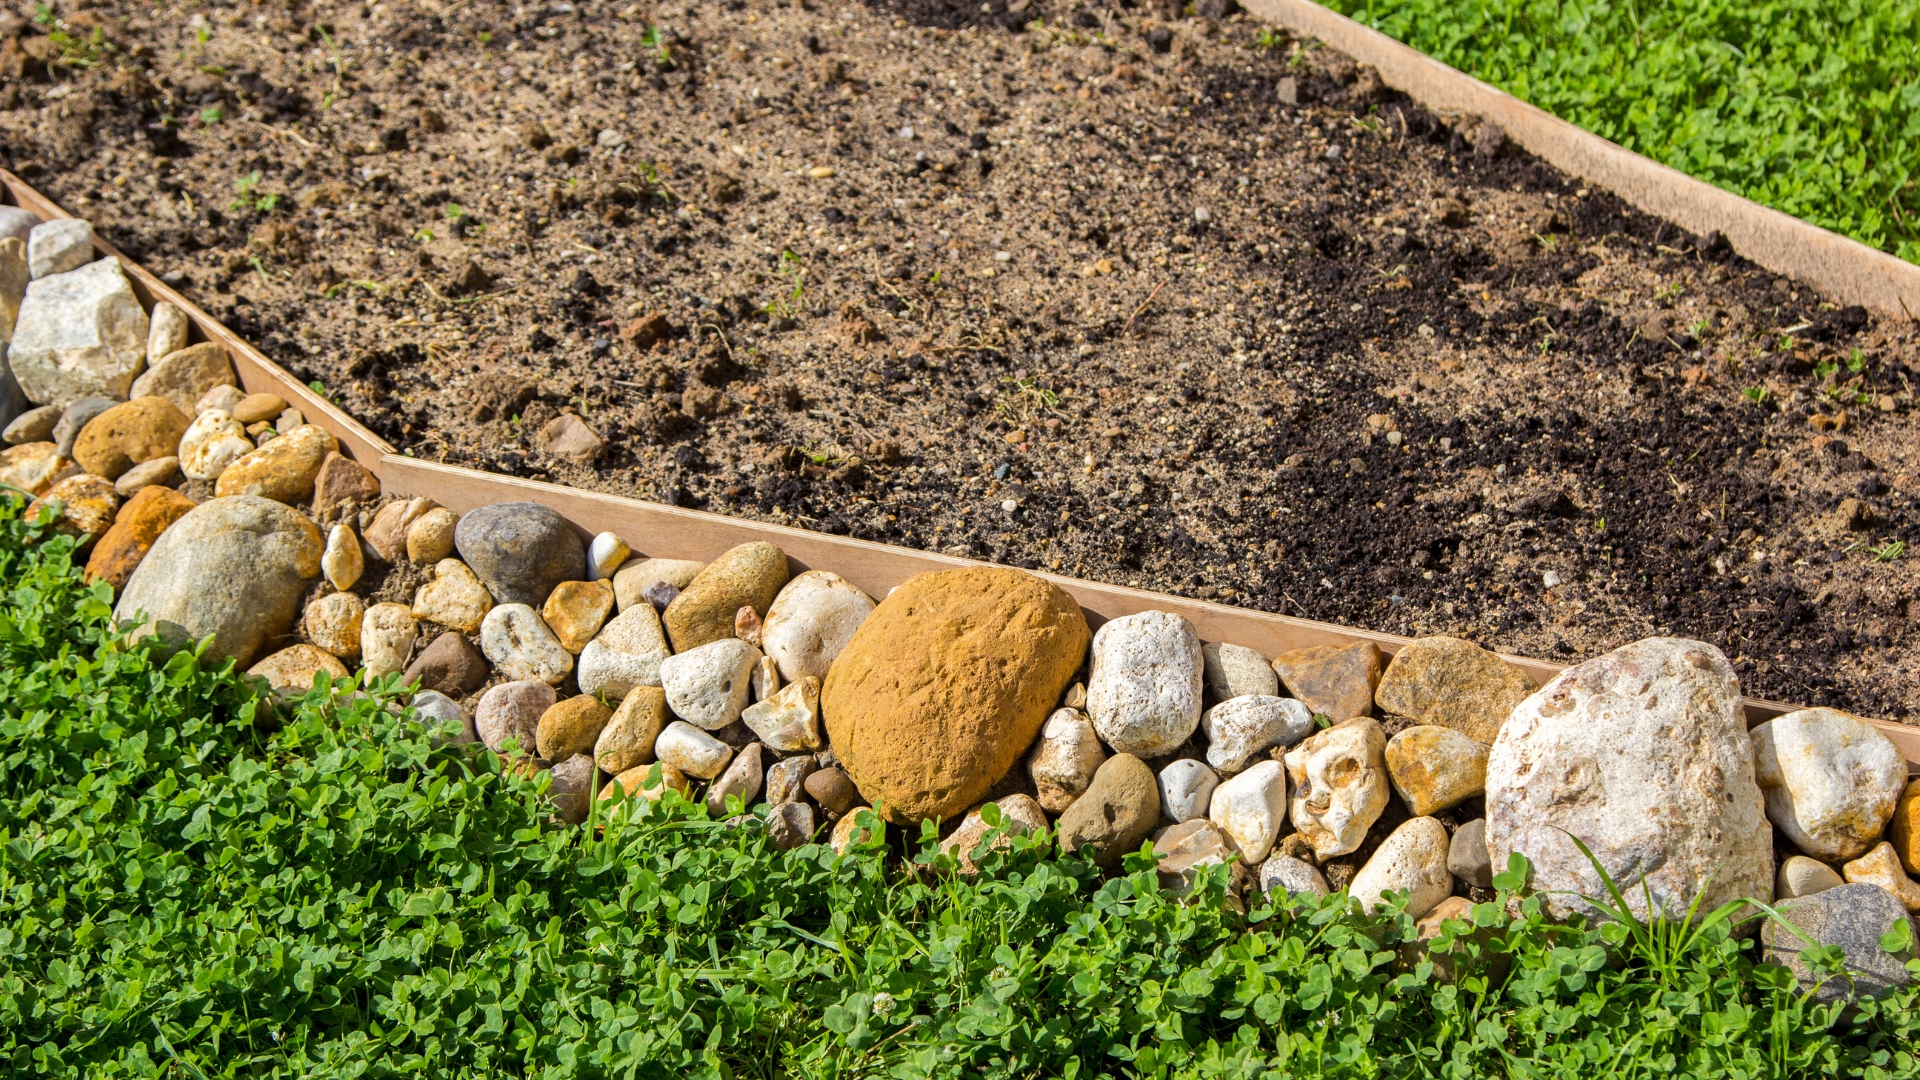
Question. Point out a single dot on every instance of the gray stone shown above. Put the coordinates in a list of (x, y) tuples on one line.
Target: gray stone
[(1853, 917), (692, 750), (34, 425), (790, 825), (1235, 670), (449, 664), (787, 779), (17, 223), (513, 709), (58, 246), (520, 645), (444, 714), (80, 334), (741, 780), (1467, 854), (574, 783), (233, 568), (184, 376), (75, 419), (520, 551), (164, 471), (1186, 789), (1292, 876)]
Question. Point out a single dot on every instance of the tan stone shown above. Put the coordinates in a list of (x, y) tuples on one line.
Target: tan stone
[(1904, 829), (1190, 845), (388, 530), (571, 726), (633, 783), (859, 826), (342, 481), (1454, 684), (1118, 811), (166, 330), (430, 536), (628, 737), (944, 686), (746, 576), (257, 407), (161, 470), (333, 622), (1435, 768), (637, 575), (454, 598), (576, 610), (87, 505), (1881, 867), (185, 375), (128, 434), (343, 562), (135, 528), (387, 634), (34, 467), (284, 469), (1019, 815), (292, 670), (1339, 785), (1334, 681)]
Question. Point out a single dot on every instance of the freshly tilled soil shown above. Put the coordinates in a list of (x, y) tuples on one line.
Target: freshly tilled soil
[(1171, 302)]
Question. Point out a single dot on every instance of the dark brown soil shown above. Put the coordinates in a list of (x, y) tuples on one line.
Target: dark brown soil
[(1151, 300)]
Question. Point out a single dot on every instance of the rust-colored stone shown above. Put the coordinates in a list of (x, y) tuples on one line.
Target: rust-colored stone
[(1336, 681), (139, 523)]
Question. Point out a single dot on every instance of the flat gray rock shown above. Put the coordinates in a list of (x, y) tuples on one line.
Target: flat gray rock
[(77, 415), (520, 551), (1853, 917), (233, 568)]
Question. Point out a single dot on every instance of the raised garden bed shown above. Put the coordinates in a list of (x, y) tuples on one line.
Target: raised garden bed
[(1565, 374)]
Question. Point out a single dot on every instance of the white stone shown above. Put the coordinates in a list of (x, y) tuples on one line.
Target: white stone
[(1292, 876), (766, 678), (1186, 790), (789, 721), (442, 715), (1144, 690), (692, 751), (1830, 780), (343, 563), (213, 441), (1232, 671), (1250, 808), (1801, 876), (810, 621), (626, 653), (520, 645), (166, 329), (708, 685), (387, 633), (1244, 727), (1063, 759), (742, 779), (59, 246), (1339, 785), (454, 598), (1412, 860), (80, 334), (606, 554), (1643, 754)]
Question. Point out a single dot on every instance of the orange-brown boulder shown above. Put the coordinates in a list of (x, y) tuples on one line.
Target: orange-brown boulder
[(128, 434), (946, 684), (139, 523)]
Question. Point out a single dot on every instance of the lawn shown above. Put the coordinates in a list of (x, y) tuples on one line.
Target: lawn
[(1811, 108), (186, 891)]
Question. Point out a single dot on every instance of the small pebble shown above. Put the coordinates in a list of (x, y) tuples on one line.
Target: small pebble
[(342, 563), (606, 555), (160, 470)]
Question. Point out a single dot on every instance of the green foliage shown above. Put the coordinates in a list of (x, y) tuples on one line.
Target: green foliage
[(188, 891), (1811, 108)]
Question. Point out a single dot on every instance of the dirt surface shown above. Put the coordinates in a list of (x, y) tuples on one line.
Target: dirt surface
[(1168, 302)]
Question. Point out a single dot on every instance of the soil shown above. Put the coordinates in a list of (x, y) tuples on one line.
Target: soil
[(1170, 302)]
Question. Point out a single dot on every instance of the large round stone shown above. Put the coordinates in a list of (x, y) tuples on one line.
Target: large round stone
[(521, 551), (1643, 755), (944, 686), (128, 434), (232, 568)]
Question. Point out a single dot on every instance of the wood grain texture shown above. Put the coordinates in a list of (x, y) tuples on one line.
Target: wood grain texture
[(662, 531), (1842, 268)]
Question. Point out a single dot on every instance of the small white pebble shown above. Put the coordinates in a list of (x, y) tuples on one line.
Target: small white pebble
[(1551, 578), (1010, 505)]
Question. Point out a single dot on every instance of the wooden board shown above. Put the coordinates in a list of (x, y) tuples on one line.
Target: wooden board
[(1844, 269), (671, 532)]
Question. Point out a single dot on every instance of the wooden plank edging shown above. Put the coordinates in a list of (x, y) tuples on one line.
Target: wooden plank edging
[(1846, 270), (662, 531)]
